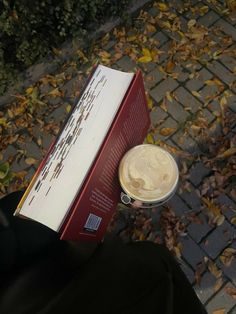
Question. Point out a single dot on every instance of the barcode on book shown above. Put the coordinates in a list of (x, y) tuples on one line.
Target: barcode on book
[(93, 222)]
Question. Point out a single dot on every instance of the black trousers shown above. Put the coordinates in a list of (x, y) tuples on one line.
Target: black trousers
[(42, 274)]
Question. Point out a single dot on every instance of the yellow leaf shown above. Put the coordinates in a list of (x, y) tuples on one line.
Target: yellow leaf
[(233, 220), (30, 161), (149, 103), (55, 93), (203, 10), (131, 38), (195, 93), (145, 59), (3, 122), (162, 7), (167, 131), (150, 28), (169, 97), (68, 108), (29, 90), (146, 52), (227, 256), (150, 139), (219, 311), (191, 23), (228, 153), (223, 101), (211, 206)]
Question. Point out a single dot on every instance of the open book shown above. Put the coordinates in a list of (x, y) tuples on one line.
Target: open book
[(75, 189)]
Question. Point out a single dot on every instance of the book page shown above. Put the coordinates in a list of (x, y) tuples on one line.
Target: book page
[(66, 167)]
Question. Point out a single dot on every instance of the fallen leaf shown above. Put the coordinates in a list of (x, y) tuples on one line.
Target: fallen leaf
[(214, 270), (169, 97), (162, 7), (233, 220), (226, 154), (68, 108), (227, 256), (54, 93), (219, 311), (146, 56), (30, 161), (170, 66), (167, 131), (29, 90), (218, 284), (231, 291), (150, 28), (195, 93), (203, 10), (150, 139), (218, 220), (149, 103), (191, 23)]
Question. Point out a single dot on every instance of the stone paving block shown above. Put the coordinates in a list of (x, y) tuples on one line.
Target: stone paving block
[(206, 289), (153, 78), (222, 72), (185, 142), (33, 150), (176, 110), (59, 114), (227, 28), (178, 206), (165, 51), (168, 85), (71, 87), (188, 271), (187, 99), (230, 270), (214, 107), (9, 152), (221, 300), (228, 61), (192, 199), (218, 239), (160, 38), (208, 115), (197, 172), (199, 230), (208, 19), (191, 252), (126, 64), (47, 140), (157, 115), (183, 74), (30, 174), (197, 83), (209, 93), (20, 165), (228, 207), (168, 123)]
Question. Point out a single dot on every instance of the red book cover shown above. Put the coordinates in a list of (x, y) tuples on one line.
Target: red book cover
[(90, 205)]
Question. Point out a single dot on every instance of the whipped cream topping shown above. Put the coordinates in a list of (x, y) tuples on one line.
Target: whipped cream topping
[(148, 173)]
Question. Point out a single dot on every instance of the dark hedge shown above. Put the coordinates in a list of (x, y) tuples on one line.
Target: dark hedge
[(30, 29)]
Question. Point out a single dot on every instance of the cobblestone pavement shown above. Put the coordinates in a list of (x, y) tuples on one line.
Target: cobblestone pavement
[(186, 95)]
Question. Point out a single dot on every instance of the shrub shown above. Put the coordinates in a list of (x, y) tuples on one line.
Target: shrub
[(30, 29)]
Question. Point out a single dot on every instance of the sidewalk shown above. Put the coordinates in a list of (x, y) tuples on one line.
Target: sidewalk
[(187, 56)]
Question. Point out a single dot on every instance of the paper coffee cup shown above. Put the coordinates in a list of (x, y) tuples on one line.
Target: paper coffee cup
[(148, 174)]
